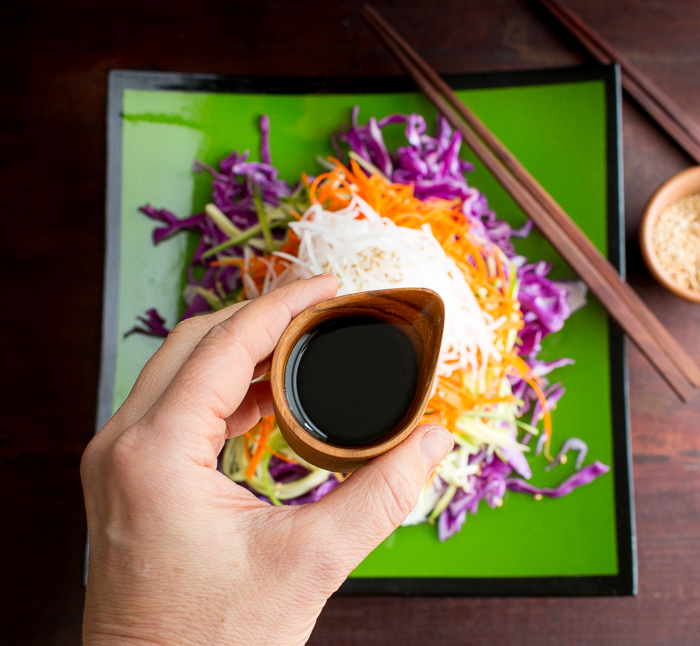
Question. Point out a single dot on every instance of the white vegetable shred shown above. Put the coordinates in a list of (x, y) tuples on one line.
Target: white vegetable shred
[(367, 252)]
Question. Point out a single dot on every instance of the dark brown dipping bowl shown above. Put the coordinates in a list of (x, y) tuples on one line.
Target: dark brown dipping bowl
[(420, 313)]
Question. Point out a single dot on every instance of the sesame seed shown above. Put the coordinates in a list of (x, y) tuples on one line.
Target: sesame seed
[(676, 237)]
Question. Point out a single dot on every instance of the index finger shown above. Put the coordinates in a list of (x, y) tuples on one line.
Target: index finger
[(163, 366), (214, 379)]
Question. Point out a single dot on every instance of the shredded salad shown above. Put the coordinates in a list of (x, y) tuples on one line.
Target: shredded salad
[(378, 219)]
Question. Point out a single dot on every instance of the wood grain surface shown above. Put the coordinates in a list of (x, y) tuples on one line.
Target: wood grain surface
[(55, 57)]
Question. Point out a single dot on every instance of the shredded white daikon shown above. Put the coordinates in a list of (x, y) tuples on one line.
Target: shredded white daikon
[(367, 252), (428, 498)]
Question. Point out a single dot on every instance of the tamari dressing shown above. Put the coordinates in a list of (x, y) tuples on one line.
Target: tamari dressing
[(352, 380)]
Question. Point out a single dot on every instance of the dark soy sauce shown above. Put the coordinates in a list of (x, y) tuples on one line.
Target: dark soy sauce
[(352, 380)]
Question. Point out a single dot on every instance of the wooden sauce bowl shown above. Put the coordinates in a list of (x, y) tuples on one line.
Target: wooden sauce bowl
[(681, 185), (419, 312)]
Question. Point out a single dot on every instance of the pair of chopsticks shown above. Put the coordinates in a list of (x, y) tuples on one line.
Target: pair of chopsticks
[(660, 107), (621, 301)]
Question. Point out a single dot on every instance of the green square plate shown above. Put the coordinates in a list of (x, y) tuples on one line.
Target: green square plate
[(564, 126)]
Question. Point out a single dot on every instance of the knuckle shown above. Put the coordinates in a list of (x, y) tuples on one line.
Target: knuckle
[(255, 334), (192, 327), (118, 458), (398, 496), (270, 342), (123, 455), (218, 331), (221, 333), (292, 292)]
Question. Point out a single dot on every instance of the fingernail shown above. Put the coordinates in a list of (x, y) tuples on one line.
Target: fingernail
[(435, 445)]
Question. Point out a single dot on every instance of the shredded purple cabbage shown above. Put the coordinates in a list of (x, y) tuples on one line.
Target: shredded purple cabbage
[(234, 187), (583, 477), (571, 444), (521, 388), (543, 303), (489, 485), (316, 493), (431, 164), (153, 325), (285, 472), (518, 462)]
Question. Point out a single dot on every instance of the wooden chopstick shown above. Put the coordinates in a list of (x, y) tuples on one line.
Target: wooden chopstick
[(665, 340), (677, 124), (602, 47), (626, 317), (599, 280)]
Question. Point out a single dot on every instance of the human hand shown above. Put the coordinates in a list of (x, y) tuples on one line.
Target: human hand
[(180, 554)]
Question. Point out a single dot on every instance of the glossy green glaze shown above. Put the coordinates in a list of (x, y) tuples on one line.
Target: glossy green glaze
[(558, 132)]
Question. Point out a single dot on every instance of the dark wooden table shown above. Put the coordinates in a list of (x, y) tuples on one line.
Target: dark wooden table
[(55, 57)]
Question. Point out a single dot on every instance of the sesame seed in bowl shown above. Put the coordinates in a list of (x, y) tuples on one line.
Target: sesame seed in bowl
[(670, 235)]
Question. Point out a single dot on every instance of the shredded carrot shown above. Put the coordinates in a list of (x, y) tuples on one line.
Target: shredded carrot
[(266, 426), (284, 458), (454, 232), (470, 251), (525, 373), (501, 273)]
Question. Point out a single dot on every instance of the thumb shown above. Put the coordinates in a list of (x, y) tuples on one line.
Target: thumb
[(360, 513)]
